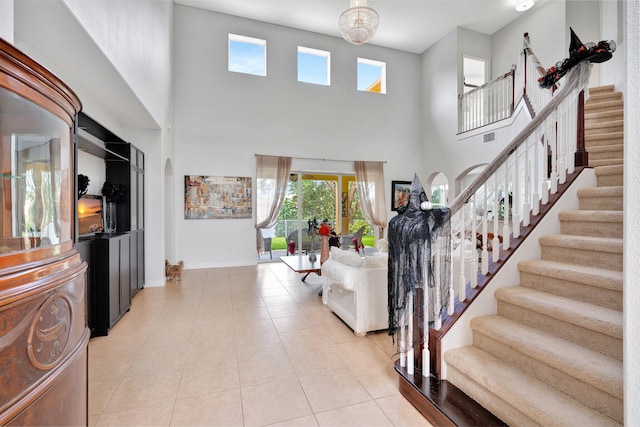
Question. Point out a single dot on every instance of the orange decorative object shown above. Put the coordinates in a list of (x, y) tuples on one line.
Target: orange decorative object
[(324, 229)]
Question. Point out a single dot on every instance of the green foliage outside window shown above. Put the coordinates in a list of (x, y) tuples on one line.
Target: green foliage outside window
[(318, 200)]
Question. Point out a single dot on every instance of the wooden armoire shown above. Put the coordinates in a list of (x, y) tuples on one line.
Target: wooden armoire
[(43, 325)]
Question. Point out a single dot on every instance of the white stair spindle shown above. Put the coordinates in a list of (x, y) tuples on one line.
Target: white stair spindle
[(462, 282), (452, 294), (403, 343), (485, 249), (545, 170), (572, 137), (563, 135), (536, 177), (554, 159), (526, 206), (426, 362), (506, 240), (495, 244), (474, 231), (409, 313), (516, 195), (437, 319)]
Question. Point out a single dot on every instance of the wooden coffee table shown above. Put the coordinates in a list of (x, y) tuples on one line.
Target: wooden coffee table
[(301, 264)]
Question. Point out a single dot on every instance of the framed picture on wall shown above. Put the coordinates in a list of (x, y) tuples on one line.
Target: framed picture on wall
[(400, 194), (217, 197)]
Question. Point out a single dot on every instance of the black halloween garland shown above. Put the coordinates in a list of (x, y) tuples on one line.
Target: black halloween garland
[(578, 51)]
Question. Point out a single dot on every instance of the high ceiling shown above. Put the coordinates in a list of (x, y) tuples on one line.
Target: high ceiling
[(408, 25)]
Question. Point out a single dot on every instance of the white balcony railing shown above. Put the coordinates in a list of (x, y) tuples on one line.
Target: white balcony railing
[(497, 99)]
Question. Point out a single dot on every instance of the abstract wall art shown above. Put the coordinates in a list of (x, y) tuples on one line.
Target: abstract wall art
[(217, 197)]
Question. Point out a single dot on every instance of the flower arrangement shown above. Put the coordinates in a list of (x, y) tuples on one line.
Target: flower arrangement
[(324, 229), (83, 185), (114, 192)]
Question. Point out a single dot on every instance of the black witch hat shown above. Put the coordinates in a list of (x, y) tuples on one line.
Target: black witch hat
[(575, 44), (592, 52)]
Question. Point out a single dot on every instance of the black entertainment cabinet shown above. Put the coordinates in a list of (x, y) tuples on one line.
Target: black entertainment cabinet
[(116, 260)]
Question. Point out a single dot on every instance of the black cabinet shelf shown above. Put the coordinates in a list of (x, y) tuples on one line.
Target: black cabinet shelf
[(92, 145)]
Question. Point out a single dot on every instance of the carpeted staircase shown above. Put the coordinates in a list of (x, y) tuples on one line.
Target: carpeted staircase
[(553, 353)]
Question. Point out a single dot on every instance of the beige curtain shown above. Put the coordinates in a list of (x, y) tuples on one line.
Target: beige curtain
[(272, 176), (370, 183)]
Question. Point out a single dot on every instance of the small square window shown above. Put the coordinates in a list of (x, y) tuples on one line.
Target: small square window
[(372, 76), (247, 55), (314, 66)]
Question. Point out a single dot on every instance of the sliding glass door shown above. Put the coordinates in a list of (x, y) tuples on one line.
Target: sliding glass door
[(319, 196)]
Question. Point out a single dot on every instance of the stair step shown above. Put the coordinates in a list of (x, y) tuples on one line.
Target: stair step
[(605, 162), (608, 176), (603, 142), (603, 116), (586, 375), (591, 223), (601, 198), (500, 388), (588, 284), (604, 126), (600, 89), (591, 326), (590, 107), (605, 152), (599, 97), (605, 252), (594, 138)]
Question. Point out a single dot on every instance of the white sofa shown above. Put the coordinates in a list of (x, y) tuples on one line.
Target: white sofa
[(355, 289)]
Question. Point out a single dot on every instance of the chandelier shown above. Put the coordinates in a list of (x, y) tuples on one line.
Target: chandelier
[(358, 23)]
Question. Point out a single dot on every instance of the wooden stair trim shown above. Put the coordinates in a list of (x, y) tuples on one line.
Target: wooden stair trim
[(441, 403)]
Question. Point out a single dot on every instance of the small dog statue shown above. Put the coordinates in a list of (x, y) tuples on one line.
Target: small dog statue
[(173, 272)]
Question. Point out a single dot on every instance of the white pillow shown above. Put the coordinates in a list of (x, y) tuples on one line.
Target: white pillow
[(337, 253), (352, 259), (377, 260)]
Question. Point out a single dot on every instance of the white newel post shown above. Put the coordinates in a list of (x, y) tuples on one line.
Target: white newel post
[(409, 313)]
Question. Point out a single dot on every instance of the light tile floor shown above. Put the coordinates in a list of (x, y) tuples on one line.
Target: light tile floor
[(243, 346)]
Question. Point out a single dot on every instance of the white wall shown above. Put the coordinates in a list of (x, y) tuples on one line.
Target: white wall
[(134, 36), (612, 26), (6, 20), (223, 119), (631, 218), (476, 45), (584, 18), (439, 106), (548, 32)]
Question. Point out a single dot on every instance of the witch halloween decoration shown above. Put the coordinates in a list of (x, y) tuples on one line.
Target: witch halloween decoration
[(419, 271), (578, 51)]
